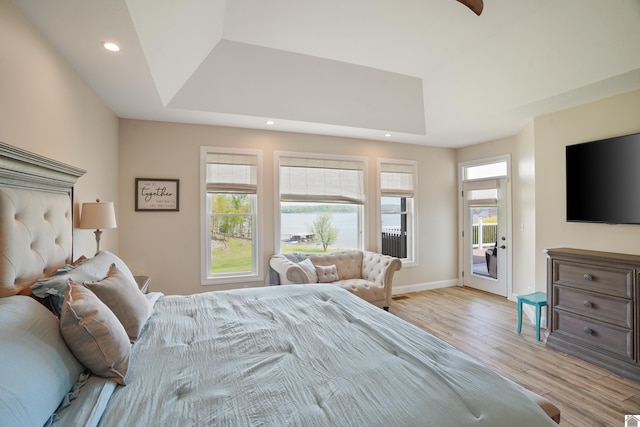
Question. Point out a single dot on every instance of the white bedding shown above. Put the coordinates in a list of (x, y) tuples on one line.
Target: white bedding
[(309, 355)]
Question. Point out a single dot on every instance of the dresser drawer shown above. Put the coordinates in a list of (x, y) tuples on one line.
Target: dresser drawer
[(594, 305), (608, 280), (607, 338)]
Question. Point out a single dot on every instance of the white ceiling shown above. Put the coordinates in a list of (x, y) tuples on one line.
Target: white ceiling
[(427, 71)]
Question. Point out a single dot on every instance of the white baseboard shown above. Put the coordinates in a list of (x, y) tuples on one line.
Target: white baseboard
[(417, 287)]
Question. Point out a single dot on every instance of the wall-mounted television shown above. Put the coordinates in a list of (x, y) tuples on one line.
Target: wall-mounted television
[(603, 180)]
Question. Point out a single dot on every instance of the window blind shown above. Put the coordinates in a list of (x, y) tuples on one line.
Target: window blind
[(321, 180), (396, 180), (232, 173)]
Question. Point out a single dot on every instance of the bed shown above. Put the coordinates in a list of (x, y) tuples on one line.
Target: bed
[(311, 355)]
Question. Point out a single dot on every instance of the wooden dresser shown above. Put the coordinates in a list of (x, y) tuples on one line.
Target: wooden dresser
[(592, 308)]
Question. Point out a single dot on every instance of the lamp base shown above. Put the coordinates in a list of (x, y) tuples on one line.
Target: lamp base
[(98, 234)]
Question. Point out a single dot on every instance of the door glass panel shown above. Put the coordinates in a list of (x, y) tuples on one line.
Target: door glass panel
[(484, 236)]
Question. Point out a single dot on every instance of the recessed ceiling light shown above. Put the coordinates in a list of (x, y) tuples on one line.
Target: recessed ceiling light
[(111, 46), (270, 122), (387, 135)]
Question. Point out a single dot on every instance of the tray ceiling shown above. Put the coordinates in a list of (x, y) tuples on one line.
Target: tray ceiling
[(427, 72)]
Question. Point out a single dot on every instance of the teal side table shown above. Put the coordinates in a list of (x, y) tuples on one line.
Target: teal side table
[(539, 300)]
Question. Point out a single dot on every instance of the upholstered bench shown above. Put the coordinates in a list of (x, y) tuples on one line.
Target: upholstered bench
[(363, 273)]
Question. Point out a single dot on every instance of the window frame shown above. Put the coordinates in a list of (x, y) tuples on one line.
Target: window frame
[(412, 210), (361, 217), (257, 273)]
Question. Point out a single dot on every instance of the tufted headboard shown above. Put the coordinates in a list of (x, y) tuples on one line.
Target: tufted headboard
[(36, 217)]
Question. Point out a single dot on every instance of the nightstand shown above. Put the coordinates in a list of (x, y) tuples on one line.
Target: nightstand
[(143, 283)]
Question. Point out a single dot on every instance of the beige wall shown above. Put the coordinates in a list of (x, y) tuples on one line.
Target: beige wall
[(524, 209), (614, 116), (46, 108), (166, 245)]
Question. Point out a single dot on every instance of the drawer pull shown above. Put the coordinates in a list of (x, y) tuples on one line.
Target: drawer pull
[(587, 304), (588, 277), (587, 330)]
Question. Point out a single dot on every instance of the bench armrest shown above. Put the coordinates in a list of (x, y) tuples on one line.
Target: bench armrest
[(289, 271), (379, 268)]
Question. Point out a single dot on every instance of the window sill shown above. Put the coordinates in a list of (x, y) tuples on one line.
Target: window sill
[(232, 279)]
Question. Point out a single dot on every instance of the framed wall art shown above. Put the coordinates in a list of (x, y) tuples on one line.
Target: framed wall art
[(157, 194)]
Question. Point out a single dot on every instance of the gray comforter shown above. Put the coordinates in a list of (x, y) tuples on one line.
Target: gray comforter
[(309, 355)]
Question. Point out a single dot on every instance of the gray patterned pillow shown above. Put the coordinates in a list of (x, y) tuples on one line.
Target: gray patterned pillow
[(94, 334)]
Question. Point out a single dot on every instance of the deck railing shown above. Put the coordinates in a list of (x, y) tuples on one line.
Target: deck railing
[(484, 234), (394, 243)]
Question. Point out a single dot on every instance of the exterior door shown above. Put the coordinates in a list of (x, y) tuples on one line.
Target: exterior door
[(485, 235)]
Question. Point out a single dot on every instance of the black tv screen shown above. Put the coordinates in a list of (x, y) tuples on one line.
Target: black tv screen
[(603, 180)]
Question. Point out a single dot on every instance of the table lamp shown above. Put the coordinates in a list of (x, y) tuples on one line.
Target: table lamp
[(98, 215)]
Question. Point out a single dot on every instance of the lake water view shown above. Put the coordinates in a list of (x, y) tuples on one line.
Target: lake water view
[(302, 223)]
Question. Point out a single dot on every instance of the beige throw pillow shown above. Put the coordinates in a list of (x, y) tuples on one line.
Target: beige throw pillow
[(94, 334), (327, 273), (124, 298)]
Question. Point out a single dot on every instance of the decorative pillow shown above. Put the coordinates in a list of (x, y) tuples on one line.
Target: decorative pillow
[(124, 299), (310, 269), (79, 261), (96, 268), (53, 288), (43, 287), (94, 334), (327, 273)]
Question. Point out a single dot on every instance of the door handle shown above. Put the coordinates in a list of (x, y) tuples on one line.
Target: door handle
[(503, 247)]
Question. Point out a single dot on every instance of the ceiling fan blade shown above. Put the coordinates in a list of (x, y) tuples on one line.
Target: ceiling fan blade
[(475, 5)]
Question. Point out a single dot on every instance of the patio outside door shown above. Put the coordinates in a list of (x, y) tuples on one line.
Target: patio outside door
[(485, 235)]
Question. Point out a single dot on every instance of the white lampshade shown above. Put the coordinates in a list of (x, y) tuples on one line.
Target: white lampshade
[(98, 215)]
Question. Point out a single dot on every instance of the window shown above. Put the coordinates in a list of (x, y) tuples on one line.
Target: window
[(231, 197), (487, 170), (397, 208), (321, 203)]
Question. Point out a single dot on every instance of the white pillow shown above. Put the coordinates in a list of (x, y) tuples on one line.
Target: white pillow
[(38, 370), (99, 265), (310, 269), (96, 268)]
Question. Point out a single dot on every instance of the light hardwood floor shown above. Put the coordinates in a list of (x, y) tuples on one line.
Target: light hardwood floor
[(484, 327)]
